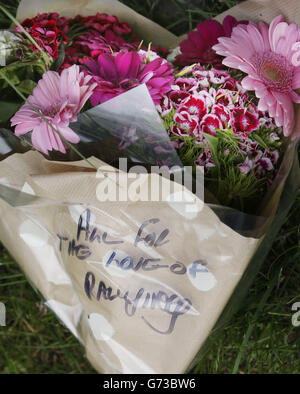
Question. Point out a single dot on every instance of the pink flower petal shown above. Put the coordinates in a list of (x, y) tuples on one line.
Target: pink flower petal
[(25, 127), (69, 134)]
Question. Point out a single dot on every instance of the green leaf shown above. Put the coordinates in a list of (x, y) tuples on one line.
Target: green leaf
[(185, 71), (60, 59), (213, 143), (7, 110), (15, 65), (261, 141), (27, 86)]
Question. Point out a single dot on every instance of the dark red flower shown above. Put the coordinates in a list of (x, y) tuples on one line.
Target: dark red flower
[(198, 47), (45, 32), (230, 84), (61, 22), (92, 44), (222, 113), (210, 124), (243, 121), (103, 22), (195, 107), (177, 97)]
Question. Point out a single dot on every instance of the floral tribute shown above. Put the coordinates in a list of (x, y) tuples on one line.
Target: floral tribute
[(215, 123), (227, 100)]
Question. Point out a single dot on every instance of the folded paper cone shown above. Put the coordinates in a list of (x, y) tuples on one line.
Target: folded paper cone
[(148, 275), (261, 10), (142, 26), (140, 284)]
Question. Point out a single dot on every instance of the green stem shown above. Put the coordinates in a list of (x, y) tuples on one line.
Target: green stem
[(185, 71)]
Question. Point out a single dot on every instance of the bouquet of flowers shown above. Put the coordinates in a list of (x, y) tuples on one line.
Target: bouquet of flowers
[(88, 90)]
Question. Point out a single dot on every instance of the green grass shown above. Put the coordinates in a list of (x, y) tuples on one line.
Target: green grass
[(259, 339)]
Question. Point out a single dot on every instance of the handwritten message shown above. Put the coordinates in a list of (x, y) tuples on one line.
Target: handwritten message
[(171, 303)]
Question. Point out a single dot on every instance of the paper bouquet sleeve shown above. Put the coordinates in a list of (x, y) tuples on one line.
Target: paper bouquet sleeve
[(144, 281), (141, 284)]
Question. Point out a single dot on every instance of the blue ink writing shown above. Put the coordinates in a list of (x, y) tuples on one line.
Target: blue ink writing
[(92, 233), (144, 264), (151, 239), (174, 305)]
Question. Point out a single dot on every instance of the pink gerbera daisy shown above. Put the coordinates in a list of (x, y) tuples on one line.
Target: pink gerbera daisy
[(59, 98), (266, 53), (122, 71)]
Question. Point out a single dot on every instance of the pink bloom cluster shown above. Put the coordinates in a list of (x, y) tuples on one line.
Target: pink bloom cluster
[(257, 160), (254, 158), (116, 73), (92, 44), (109, 66), (48, 30), (103, 22), (104, 34), (266, 54), (206, 101)]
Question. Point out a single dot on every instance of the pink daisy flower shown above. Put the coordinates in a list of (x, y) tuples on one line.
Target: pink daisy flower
[(266, 54), (59, 98), (114, 74)]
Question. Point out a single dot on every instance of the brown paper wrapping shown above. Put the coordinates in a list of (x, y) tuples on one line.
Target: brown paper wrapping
[(142, 26), (133, 347), (261, 10), (58, 193)]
